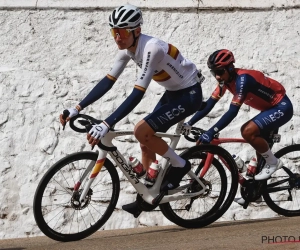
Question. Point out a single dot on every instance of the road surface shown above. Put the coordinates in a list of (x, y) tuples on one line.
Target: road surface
[(249, 234)]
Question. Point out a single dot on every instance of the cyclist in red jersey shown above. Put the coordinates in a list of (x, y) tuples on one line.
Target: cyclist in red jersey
[(256, 90)]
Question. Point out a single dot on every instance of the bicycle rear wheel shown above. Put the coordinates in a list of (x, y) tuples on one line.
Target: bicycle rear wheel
[(210, 206), (282, 194), (56, 208)]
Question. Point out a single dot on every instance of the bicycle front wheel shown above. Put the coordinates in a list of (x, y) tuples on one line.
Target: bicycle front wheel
[(201, 211), (282, 194), (57, 211)]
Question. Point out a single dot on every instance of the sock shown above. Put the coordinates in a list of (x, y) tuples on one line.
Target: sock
[(175, 159), (270, 157)]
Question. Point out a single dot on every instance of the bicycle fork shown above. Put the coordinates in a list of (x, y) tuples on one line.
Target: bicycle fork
[(94, 168)]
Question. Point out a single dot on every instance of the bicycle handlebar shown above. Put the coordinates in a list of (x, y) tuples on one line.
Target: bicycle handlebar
[(196, 132), (86, 123)]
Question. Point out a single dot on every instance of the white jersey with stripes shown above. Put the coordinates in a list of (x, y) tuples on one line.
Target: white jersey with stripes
[(159, 61)]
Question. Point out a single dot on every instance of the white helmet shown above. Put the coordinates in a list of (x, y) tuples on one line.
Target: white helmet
[(126, 16)]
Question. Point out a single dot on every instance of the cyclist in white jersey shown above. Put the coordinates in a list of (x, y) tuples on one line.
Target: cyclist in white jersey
[(163, 63)]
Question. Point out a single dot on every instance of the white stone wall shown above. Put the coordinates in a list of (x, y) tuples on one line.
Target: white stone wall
[(51, 58)]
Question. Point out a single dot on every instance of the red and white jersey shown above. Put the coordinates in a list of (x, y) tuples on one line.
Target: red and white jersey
[(253, 88)]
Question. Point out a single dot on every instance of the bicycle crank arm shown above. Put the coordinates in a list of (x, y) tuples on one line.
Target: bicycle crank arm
[(246, 204), (165, 196), (158, 198), (188, 206)]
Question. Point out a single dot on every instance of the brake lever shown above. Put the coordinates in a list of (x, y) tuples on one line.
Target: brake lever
[(88, 126), (65, 115)]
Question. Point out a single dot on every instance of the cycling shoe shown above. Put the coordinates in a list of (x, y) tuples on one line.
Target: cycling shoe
[(174, 176), (133, 208)]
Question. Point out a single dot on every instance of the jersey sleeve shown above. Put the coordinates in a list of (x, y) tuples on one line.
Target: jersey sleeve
[(98, 91), (126, 107), (119, 65), (243, 82), (208, 106), (218, 92), (153, 54)]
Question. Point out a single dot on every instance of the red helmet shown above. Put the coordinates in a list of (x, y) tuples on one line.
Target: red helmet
[(220, 59)]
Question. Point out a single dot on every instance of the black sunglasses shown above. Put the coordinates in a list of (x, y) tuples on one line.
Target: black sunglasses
[(218, 72)]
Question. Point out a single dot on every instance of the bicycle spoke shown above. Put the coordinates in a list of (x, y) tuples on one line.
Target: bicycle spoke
[(201, 205), (283, 194), (214, 200)]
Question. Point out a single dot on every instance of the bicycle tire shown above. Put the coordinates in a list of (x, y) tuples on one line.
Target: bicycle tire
[(55, 210), (211, 172), (276, 200), (222, 203)]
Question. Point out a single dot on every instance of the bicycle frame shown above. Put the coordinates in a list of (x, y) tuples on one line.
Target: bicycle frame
[(148, 194), (217, 142), (210, 157)]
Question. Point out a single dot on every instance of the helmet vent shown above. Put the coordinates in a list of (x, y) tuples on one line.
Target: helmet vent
[(226, 58), (123, 25), (114, 18), (128, 14), (120, 8), (135, 18)]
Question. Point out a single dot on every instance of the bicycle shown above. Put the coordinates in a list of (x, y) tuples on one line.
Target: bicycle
[(69, 204), (277, 190)]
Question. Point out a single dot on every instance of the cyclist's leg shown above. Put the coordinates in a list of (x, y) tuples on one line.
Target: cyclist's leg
[(148, 156), (252, 134), (270, 119), (180, 105)]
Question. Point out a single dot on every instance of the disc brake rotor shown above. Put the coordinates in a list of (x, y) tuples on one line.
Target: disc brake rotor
[(76, 204)]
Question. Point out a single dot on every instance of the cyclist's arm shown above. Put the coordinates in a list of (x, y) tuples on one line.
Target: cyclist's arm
[(208, 106), (127, 106), (152, 55), (236, 103), (98, 91), (108, 81), (225, 119)]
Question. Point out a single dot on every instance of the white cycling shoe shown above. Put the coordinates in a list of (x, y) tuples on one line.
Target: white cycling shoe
[(268, 170), (241, 200)]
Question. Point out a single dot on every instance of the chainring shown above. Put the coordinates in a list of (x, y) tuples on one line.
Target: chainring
[(252, 190)]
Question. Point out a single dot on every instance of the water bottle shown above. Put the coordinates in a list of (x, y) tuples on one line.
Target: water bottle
[(240, 163), (152, 174), (137, 167), (252, 167)]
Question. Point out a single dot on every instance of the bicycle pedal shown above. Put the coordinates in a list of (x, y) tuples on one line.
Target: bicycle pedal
[(158, 198)]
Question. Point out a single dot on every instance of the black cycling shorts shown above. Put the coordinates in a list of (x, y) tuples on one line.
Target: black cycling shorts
[(175, 106), (276, 116)]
